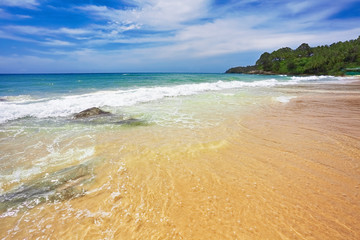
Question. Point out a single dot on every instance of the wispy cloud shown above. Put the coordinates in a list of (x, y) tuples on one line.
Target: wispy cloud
[(34, 30), (7, 35), (20, 3), (5, 15), (219, 38), (153, 14), (162, 31), (55, 42)]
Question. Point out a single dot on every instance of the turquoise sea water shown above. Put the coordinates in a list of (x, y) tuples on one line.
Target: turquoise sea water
[(40, 85), (61, 95)]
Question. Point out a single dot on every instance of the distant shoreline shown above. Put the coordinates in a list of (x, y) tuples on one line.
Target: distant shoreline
[(338, 59)]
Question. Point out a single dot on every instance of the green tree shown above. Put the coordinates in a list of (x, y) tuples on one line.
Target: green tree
[(321, 60), (264, 61), (304, 50)]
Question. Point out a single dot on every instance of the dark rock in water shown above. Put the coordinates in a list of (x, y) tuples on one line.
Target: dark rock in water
[(60, 185), (90, 113), (95, 116), (131, 121)]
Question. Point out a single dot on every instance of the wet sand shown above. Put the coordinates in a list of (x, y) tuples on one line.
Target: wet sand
[(276, 171)]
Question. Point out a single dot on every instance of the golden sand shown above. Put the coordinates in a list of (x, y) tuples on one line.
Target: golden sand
[(280, 171)]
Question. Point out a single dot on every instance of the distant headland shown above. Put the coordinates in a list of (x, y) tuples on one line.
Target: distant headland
[(337, 59)]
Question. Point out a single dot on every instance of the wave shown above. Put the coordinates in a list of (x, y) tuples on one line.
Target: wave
[(19, 98), (313, 78), (323, 79), (67, 105)]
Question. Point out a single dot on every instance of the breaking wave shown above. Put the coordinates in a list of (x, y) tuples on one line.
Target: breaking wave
[(16, 107)]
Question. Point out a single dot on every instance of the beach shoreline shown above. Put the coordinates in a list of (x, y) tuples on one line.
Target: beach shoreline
[(237, 169)]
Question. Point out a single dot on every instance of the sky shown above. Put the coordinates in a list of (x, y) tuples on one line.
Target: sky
[(89, 36)]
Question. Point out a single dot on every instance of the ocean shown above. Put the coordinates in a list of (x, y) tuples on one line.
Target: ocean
[(180, 156), (61, 95)]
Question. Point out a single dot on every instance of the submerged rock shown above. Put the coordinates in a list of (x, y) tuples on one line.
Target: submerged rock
[(97, 116), (90, 112), (60, 185), (131, 121)]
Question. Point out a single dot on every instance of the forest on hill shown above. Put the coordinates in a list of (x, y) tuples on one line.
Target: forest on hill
[(306, 60)]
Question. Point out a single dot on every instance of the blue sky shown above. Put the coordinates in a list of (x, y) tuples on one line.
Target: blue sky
[(56, 36)]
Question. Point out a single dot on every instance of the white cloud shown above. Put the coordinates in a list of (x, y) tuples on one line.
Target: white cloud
[(27, 31), (154, 14), (298, 7), (41, 31), (6, 35), (229, 36), (72, 31), (183, 20), (31, 30), (20, 3), (176, 31), (193, 52), (6, 15), (55, 42)]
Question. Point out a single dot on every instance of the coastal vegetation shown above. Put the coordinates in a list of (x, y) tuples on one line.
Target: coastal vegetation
[(306, 60)]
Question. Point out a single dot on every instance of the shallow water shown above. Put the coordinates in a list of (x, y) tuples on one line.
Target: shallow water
[(250, 163)]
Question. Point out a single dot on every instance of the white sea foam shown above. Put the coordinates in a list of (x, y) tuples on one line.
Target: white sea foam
[(314, 78), (68, 105), (324, 79), (19, 98), (54, 158), (284, 99)]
